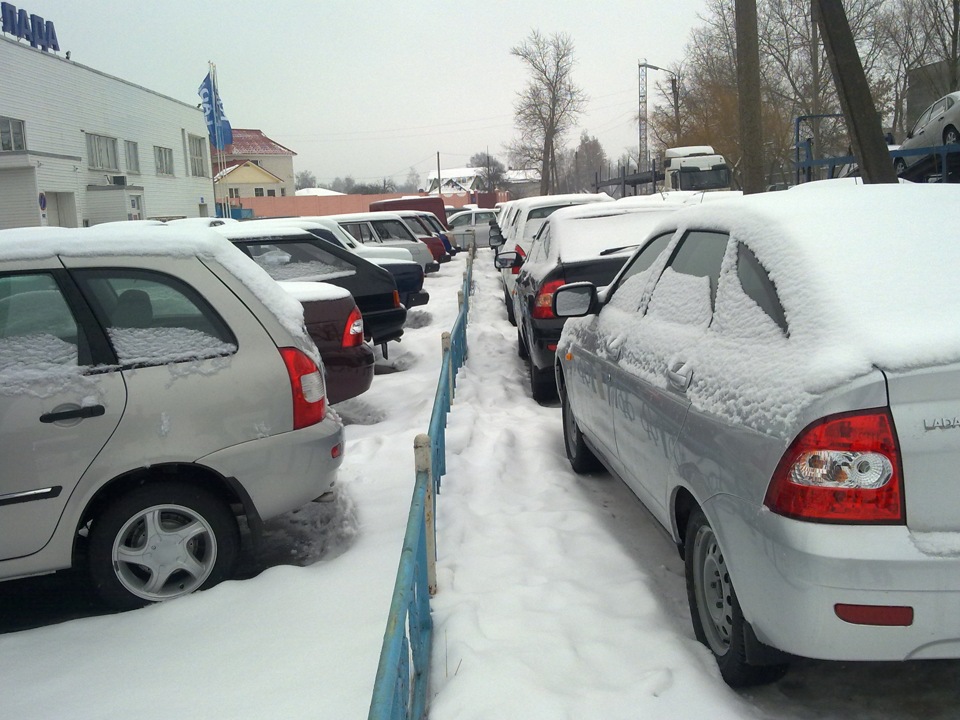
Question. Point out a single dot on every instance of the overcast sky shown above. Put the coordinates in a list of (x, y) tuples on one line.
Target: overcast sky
[(371, 89)]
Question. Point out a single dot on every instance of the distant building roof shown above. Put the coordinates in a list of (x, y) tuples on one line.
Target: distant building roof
[(223, 171), (254, 142), (323, 192)]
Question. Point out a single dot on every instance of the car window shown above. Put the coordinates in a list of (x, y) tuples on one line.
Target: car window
[(686, 291), (541, 213), (153, 318), (483, 218), (701, 254), (758, 286), (629, 286), (37, 328), (540, 249), (360, 231), (292, 260), (460, 220), (392, 230), (922, 120)]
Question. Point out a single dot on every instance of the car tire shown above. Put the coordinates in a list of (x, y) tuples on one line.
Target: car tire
[(581, 458), (194, 532), (508, 301), (521, 346), (543, 385), (714, 609), (950, 135)]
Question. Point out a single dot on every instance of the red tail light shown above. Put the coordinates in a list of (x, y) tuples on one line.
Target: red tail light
[(842, 469), (543, 304), (353, 332), (309, 389), (396, 299), (521, 253)]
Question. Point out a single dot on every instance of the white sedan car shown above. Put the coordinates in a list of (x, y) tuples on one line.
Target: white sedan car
[(777, 378)]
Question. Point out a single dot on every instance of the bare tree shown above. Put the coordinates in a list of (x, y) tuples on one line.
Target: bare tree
[(548, 106), (305, 179), (493, 173)]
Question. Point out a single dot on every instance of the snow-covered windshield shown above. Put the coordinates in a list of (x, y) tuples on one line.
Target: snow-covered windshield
[(298, 260)]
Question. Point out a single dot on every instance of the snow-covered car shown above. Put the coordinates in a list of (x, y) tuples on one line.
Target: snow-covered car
[(387, 229), (155, 386), (292, 253), (581, 242), (937, 125), (776, 380), (522, 223)]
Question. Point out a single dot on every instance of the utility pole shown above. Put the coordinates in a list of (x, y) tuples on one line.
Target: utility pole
[(863, 121), (748, 82)]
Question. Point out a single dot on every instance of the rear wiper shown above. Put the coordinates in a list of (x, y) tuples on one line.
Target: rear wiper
[(611, 251)]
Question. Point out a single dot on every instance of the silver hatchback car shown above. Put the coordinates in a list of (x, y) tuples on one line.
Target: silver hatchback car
[(777, 378), (155, 385)]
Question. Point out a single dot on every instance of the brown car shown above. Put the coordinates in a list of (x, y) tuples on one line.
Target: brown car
[(336, 326)]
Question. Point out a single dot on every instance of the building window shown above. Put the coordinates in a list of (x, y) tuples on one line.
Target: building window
[(258, 192), (133, 156), (198, 153), (233, 192), (164, 160), (283, 192), (102, 152), (271, 193), (11, 135)]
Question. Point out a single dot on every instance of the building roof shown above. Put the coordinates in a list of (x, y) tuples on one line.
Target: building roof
[(254, 142), (228, 167)]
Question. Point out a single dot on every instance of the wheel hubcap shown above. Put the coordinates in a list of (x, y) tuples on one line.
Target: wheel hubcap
[(163, 552), (714, 591)]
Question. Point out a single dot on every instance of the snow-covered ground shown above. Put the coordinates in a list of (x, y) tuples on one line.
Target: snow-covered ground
[(558, 596)]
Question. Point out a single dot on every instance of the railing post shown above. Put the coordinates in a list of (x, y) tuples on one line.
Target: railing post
[(460, 298), (445, 346), (421, 454)]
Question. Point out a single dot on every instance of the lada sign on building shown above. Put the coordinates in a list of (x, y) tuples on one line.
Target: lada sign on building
[(34, 29)]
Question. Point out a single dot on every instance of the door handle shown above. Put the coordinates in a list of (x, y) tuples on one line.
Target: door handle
[(679, 376), (83, 412)]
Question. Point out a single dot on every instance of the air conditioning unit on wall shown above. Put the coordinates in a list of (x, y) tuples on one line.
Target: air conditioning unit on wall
[(118, 179)]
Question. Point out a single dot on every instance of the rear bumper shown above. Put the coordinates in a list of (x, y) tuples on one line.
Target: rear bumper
[(380, 326), (432, 267), (349, 372), (790, 575), (285, 471), (417, 298)]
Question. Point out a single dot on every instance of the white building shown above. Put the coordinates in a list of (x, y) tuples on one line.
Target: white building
[(80, 147)]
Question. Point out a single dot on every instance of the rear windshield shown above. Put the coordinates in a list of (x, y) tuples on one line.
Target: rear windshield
[(392, 230)]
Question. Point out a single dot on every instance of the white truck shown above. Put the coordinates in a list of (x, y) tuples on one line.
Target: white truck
[(695, 167)]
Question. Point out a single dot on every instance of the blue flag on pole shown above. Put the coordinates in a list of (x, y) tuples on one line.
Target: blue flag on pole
[(217, 124)]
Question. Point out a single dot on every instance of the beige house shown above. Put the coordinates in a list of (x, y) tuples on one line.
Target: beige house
[(253, 166)]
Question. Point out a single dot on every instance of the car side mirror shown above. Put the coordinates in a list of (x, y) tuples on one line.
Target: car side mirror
[(507, 261), (575, 300), (496, 237)]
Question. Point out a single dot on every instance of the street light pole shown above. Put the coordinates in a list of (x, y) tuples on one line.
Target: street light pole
[(675, 91)]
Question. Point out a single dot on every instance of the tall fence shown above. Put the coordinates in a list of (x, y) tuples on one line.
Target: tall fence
[(403, 675)]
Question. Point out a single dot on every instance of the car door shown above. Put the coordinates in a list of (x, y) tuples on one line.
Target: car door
[(591, 380), (652, 378), (60, 401)]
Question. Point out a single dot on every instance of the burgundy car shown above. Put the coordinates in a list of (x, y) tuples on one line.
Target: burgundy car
[(334, 322)]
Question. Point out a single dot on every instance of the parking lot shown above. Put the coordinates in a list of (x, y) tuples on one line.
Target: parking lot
[(558, 590)]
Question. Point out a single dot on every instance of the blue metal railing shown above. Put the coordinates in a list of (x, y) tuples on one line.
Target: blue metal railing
[(399, 691)]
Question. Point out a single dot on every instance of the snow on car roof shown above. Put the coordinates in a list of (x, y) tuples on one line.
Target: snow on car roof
[(313, 291), (582, 232), (143, 240), (869, 268)]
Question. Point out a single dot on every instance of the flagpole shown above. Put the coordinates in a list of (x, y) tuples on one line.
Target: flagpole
[(218, 134)]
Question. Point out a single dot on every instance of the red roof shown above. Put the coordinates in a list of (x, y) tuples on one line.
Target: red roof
[(254, 142)]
